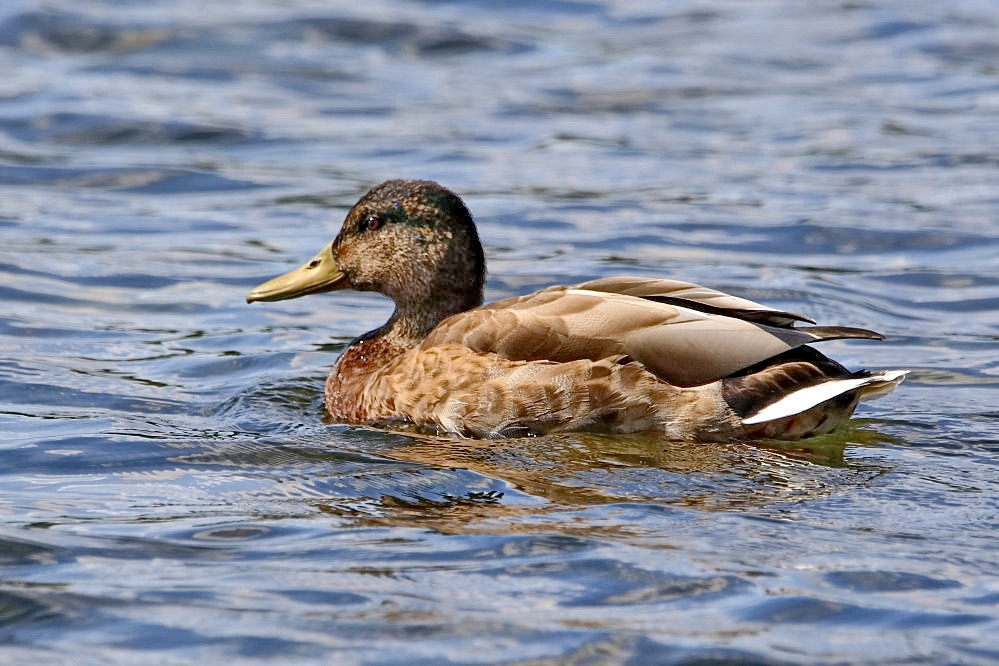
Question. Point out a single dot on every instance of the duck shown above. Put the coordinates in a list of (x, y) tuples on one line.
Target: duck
[(610, 355)]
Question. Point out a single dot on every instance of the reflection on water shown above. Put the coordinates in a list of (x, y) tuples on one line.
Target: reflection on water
[(171, 490), (581, 468)]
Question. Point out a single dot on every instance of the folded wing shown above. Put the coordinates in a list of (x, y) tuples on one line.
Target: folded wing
[(685, 334)]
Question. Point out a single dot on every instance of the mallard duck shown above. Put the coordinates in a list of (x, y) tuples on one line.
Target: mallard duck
[(617, 354)]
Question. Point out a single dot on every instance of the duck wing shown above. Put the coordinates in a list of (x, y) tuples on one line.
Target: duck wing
[(685, 334), (694, 296)]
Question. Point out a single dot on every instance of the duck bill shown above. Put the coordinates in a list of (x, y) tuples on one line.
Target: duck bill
[(320, 274)]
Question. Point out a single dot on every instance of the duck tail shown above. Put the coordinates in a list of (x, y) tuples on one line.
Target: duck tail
[(865, 387), (885, 382)]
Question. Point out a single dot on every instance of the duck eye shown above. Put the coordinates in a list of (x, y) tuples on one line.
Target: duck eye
[(371, 223)]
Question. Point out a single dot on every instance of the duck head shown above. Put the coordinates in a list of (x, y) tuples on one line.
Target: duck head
[(411, 240)]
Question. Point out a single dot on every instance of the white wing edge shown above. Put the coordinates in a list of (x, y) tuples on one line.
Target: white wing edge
[(804, 399)]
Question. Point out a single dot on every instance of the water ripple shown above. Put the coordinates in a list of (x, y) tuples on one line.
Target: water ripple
[(171, 489)]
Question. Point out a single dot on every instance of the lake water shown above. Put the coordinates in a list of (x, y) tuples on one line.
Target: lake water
[(170, 492)]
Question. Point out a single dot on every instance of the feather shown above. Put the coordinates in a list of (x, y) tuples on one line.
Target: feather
[(804, 399)]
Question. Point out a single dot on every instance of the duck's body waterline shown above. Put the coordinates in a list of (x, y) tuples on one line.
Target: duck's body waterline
[(615, 355)]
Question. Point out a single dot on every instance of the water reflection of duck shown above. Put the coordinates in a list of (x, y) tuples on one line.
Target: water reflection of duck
[(615, 354), (573, 469)]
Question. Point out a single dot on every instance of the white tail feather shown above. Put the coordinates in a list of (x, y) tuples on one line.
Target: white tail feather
[(804, 399)]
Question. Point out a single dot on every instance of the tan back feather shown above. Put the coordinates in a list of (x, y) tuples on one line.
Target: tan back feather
[(680, 345)]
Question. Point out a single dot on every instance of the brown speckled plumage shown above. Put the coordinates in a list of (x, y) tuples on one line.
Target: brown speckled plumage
[(616, 354)]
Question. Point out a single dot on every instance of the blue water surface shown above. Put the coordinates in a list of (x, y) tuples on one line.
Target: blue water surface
[(170, 491)]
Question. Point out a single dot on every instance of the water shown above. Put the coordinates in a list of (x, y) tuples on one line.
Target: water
[(170, 490)]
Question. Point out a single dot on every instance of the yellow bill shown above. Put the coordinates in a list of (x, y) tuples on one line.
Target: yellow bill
[(319, 274)]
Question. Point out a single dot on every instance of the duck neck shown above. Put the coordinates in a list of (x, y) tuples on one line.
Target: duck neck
[(413, 320), (405, 330), (416, 315)]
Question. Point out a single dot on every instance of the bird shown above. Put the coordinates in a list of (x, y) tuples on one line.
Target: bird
[(610, 355)]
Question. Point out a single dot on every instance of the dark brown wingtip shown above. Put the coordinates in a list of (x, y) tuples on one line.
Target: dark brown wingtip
[(767, 317), (840, 333)]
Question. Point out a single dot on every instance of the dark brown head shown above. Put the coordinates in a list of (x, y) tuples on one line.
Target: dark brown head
[(412, 240)]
